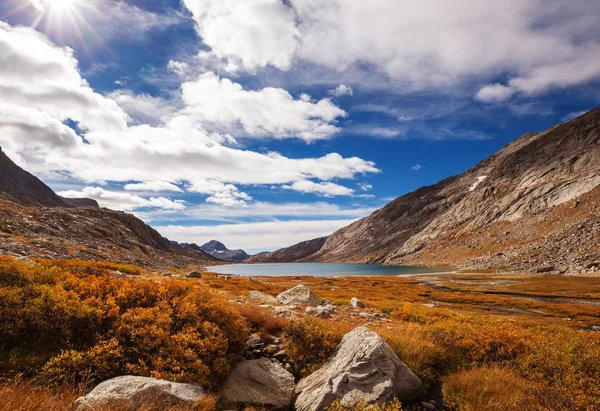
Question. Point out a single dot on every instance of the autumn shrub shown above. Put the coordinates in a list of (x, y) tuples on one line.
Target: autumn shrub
[(20, 394), (490, 388), (309, 343), (85, 327), (262, 320), (393, 405)]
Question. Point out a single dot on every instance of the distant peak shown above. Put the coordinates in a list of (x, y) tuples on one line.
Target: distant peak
[(214, 245)]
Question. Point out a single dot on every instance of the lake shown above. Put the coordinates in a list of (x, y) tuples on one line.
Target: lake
[(317, 269)]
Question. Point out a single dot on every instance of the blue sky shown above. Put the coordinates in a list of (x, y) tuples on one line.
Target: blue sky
[(262, 123)]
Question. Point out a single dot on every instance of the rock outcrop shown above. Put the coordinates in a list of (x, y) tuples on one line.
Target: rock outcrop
[(289, 254), (263, 382), (300, 295), (131, 392), (365, 368)]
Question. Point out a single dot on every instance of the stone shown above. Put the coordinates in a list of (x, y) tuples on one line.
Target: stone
[(321, 311), (262, 297), (355, 302), (363, 367), (300, 295), (255, 342), (263, 382), (194, 274), (131, 391)]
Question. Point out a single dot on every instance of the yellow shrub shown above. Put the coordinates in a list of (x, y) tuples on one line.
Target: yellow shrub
[(309, 343), (393, 405)]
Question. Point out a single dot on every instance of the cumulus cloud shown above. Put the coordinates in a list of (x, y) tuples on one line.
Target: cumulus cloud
[(157, 186), (255, 32), (262, 113), (37, 75), (326, 189), (178, 67), (167, 140), (537, 44), (342, 90), (123, 201)]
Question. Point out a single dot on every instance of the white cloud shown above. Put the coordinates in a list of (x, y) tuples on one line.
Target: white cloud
[(267, 112), (342, 90), (365, 187), (178, 67), (123, 201), (574, 115), (224, 194), (326, 189), (416, 167), (255, 32), (254, 237), (257, 210), (37, 75), (144, 108), (537, 44), (156, 186)]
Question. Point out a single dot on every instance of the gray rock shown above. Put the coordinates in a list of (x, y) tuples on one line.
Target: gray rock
[(194, 274), (255, 342), (363, 367), (263, 382), (131, 391), (265, 298), (300, 294), (357, 303), (321, 311)]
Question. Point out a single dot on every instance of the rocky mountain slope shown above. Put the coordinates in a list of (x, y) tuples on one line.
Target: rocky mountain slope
[(22, 187), (532, 206), (218, 250), (36, 222), (289, 254)]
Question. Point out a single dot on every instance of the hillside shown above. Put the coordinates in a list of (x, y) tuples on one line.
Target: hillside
[(289, 254), (36, 222), (532, 206)]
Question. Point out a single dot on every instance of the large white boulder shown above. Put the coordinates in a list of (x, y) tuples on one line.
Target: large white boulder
[(130, 391), (363, 367), (263, 382), (300, 295)]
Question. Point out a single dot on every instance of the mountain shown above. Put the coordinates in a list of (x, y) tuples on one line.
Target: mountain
[(218, 250), (24, 188), (289, 254), (36, 222), (533, 206)]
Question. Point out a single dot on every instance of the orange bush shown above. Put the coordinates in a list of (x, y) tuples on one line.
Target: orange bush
[(262, 320), (95, 326)]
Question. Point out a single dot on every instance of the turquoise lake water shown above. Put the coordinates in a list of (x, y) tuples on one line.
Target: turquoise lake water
[(317, 269)]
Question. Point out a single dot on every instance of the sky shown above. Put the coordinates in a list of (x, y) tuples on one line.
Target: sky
[(262, 123)]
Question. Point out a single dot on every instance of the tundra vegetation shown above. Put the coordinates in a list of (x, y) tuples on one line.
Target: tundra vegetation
[(492, 341)]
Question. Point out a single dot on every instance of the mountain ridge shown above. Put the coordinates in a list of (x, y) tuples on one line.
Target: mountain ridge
[(218, 250), (497, 214)]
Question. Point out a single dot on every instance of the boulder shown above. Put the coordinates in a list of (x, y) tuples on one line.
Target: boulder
[(265, 298), (357, 303), (194, 274), (321, 311), (263, 382), (300, 294), (131, 391), (363, 367)]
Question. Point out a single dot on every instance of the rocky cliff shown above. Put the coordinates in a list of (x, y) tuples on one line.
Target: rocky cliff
[(36, 222), (532, 206)]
